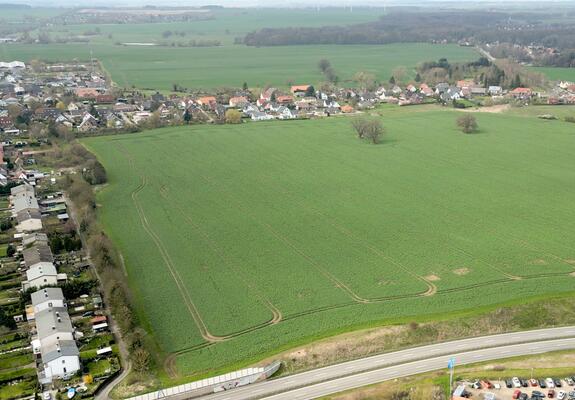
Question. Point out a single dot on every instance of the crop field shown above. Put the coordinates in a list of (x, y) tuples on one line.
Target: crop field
[(158, 67), (241, 241), (557, 74)]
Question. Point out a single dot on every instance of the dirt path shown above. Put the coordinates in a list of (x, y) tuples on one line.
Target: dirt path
[(498, 109)]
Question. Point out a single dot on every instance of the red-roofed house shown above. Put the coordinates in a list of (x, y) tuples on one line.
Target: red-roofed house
[(98, 319), (87, 93), (207, 101), (238, 101), (521, 93), (268, 94), (284, 99), (300, 90)]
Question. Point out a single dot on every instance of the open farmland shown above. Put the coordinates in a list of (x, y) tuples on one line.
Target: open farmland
[(557, 74), (160, 67), (240, 241)]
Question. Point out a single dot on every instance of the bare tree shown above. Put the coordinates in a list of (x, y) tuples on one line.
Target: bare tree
[(324, 65), (233, 117), (365, 80), (467, 123), (369, 128)]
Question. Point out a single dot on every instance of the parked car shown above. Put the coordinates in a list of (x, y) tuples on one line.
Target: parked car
[(551, 393), (550, 383), (561, 395), (569, 381), (516, 394), (537, 394), (542, 384), (486, 384), (46, 396), (476, 385), (508, 383), (533, 382), (497, 386), (524, 382), (557, 382), (516, 382)]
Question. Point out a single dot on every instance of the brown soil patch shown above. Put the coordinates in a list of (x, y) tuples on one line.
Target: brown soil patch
[(432, 278), (570, 261), (498, 109), (461, 271), (572, 274), (539, 262)]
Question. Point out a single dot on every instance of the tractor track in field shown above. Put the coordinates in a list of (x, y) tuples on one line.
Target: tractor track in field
[(171, 268), (170, 361), (276, 313)]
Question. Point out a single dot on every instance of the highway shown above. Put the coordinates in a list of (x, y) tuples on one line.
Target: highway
[(369, 370)]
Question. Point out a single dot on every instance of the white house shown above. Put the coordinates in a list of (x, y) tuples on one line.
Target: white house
[(53, 324), (60, 360), (41, 274), (48, 298)]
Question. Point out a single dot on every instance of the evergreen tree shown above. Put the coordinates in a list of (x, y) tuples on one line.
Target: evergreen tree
[(392, 80), (418, 77), (187, 116), (245, 86)]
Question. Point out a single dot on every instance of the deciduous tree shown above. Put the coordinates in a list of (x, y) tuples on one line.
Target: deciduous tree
[(467, 123)]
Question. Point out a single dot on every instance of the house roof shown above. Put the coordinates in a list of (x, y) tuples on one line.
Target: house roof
[(32, 238), (61, 348), (29, 213), (24, 201), (299, 88), (47, 294), (40, 252), (53, 320), (521, 90), (25, 188), (207, 99), (41, 270)]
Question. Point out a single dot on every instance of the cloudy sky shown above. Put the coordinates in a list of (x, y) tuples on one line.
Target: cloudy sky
[(243, 3)]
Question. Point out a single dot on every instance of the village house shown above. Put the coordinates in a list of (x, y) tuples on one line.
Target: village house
[(300, 90), (284, 100), (41, 274), (28, 220), (269, 94), (521, 93), (48, 298), (238, 101), (208, 102), (36, 254)]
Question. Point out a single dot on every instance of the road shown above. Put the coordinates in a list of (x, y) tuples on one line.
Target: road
[(366, 371)]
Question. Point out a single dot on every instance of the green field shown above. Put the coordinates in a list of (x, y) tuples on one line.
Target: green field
[(161, 67), (230, 65), (244, 240), (557, 74)]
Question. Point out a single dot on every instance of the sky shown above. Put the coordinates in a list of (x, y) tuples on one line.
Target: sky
[(243, 3)]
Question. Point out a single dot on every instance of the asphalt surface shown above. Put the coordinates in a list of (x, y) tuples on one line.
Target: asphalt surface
[(370, 370)]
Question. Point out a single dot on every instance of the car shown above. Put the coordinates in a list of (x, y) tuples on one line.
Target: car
[(572, 395), (537, 394), (497, 386), (557, 382), (486, 384), (476, 385), (516, 394), (524, 382), (524, 396), (561, 395), (516, 382), (542, 384), (533, 382), (508, 383), (569, 381), (46, 396), (550, 383), (551, 393)]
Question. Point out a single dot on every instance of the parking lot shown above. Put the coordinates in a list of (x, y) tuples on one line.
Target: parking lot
[(517, 388)]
